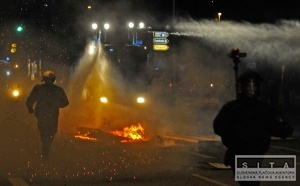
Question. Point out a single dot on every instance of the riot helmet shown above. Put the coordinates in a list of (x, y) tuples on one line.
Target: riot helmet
[(48, 77), (249, 84)]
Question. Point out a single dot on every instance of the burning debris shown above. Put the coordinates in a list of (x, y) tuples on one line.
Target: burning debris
[(128, 134), (131, 133)]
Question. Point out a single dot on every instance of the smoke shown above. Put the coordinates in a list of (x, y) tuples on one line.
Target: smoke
[(204, 79)]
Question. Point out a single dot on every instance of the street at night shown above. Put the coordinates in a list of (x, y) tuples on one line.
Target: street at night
[(158, 160), (139, 86)]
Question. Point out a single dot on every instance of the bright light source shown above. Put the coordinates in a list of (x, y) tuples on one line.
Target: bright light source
[(94, 26), (8, 73), (15, 93), (106, 26), (131, 24), (140, 100), (103, 100), (20, 29), (211, 85), (141, 25), (92, 49)]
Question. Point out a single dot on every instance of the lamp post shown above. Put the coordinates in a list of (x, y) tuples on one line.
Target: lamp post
[(131, 25), (95, 26), (219, 16), (106, 27)]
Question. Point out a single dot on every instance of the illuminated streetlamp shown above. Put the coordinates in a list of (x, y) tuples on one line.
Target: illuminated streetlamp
[(95, 26), (131, 25), (141, 25), (106, 27), (219, 16)]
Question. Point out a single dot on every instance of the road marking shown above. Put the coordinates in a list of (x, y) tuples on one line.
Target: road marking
[(284, 148), (197, 154), (220, 165), (193, 139), (17, 182), (210, 180)]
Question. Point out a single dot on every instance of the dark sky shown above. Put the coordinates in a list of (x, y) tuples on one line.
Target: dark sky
[(68, 19), (247, 10)]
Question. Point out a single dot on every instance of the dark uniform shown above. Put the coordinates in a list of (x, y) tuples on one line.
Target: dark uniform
[(48, 98), (246, 124)]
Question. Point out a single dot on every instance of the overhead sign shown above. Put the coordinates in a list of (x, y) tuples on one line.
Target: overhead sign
[(161, 47), (160, 40), (160, 34)]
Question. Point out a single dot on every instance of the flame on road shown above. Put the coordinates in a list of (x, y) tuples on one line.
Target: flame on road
[(85, 137), (132, 133)]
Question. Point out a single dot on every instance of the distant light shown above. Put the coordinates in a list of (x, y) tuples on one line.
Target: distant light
[(89, 7), (8, 73), (94, 26), (7, 58), (15, 93), (92, 49), (140, 100), (19, 28), (106, 26), (211, 85), (131, 25), (103, 100), (141, 25)]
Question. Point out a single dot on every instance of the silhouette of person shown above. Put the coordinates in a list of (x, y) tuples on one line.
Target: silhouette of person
[(246, 124), (48, 98)]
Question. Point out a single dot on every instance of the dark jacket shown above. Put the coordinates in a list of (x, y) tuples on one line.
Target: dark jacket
[(48, 99), (246, 126)]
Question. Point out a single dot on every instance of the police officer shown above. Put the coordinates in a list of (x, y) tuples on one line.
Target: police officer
[(47, 98), (246, 124)]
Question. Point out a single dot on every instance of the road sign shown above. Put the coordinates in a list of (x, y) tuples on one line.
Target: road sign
[(160, 34), (158, 40), (161, 47)]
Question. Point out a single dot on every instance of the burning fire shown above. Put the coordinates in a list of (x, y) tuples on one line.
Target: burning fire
[(132, 133), (85, 137)]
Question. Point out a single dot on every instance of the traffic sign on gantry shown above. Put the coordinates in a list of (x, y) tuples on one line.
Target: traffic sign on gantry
[(159, 40), (160, 34)]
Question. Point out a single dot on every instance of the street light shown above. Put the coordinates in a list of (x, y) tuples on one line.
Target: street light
[(106, 27), (141, 25), (131, 25), (219, 16), (95, 26)]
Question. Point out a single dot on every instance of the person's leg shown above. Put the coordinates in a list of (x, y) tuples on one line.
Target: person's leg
[(47, 140), (47, 127)]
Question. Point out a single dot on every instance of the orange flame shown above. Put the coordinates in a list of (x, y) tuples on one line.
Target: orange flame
[(133, 132), (85, 137)]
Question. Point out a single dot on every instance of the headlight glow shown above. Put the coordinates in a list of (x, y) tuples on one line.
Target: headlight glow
[(140, 100), (103, 100), (92, 49), (15, 93)]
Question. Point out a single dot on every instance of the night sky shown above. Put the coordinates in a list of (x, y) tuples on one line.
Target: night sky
[(238, 10), (65, 21)]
